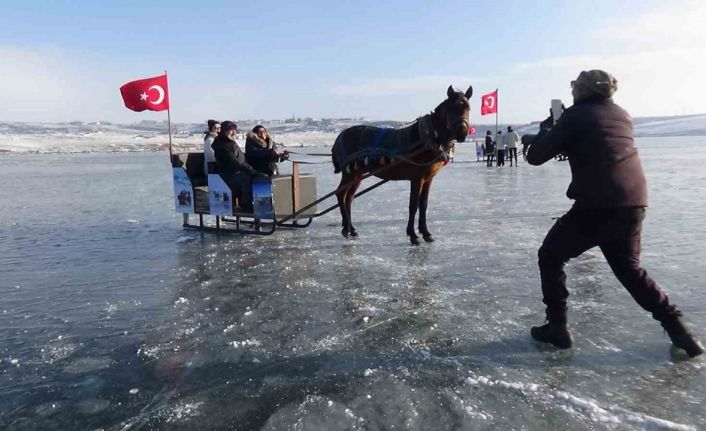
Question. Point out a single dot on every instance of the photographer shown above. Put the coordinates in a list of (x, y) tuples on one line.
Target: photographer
[(610, 193)]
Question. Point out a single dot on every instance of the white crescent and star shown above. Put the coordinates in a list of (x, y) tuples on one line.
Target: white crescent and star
[(490, 102), (160, 90), (160, 98)]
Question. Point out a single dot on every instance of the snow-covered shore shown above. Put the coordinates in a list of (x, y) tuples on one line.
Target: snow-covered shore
[(79, 137)]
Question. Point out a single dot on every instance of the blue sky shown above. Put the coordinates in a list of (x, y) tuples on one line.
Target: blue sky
[(65, 60)]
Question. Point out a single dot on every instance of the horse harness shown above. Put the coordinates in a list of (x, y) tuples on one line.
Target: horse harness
[(382, 146)]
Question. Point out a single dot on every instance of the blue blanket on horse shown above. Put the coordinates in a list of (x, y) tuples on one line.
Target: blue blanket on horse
[(369, 145)]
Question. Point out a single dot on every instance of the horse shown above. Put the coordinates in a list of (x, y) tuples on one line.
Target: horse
[(415, 153)]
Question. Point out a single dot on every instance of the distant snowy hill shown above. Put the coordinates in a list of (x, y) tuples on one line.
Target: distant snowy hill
[(683, 125), (77, 136)]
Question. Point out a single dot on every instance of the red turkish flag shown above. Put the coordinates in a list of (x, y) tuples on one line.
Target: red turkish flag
[(489, 103), (471, 130), (146, 94)]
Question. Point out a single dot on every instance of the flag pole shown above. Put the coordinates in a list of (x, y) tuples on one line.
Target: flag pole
[(169, 119), (497, 108)]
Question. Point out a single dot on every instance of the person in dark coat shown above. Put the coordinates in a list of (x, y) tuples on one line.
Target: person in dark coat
[(233, 168), (610, 193), (261, 151), (489, 148)]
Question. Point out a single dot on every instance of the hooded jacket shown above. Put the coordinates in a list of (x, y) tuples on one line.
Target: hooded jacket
[(597, 136), (261, 153), (229, 157)]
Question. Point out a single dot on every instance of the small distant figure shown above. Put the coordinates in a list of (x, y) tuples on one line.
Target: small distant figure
[(261, 151), (511, 140), (214, 127), (609, 190), (500, 148), (489, 149), (452, 152), (479, 151)]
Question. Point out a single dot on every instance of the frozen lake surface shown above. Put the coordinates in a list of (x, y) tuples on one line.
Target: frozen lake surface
[(115, 318)]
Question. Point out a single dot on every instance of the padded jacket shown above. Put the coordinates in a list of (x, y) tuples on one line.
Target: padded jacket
[(261, 154), (229, 157), (597, 136)]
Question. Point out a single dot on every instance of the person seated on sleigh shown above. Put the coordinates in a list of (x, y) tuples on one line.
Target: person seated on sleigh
[(261, 151), (237, 173)]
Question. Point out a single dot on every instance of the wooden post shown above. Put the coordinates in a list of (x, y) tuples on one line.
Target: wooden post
[(296, 192)]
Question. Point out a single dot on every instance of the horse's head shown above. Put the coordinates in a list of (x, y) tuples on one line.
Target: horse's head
[(454, 112)]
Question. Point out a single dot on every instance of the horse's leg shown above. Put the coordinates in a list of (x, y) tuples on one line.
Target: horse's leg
[(350, 195), (423, 203), (341, 197), (416, 185)]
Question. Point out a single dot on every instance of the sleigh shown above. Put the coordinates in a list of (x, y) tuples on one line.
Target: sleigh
[(281, 201)]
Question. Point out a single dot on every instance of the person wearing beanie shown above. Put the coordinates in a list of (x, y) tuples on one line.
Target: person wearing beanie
[(234, 169), (261, 151), (609, 190)]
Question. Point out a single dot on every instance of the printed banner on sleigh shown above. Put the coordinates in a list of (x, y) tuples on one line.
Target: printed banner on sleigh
[(220, 197), (183, 198)]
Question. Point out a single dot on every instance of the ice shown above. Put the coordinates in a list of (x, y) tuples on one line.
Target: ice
[(307, 329), (92, 406), (181, 412), (88, 365), (584, 409)]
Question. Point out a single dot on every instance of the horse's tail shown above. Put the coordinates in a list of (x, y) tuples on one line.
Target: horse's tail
[(335, 153)]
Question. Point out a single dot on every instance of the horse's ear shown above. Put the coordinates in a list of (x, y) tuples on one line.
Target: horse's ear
[(450, 92), (469, 92)]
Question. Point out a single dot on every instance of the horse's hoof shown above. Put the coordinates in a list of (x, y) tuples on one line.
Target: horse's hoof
[(414, 240), (345, 233), (428, 238), (354, 233)]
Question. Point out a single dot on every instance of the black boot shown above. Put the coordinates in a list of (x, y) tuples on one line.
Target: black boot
[(555, 333), (681, 336)]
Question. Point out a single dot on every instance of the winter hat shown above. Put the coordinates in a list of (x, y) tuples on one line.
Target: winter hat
[(595, 83), (228, 125)]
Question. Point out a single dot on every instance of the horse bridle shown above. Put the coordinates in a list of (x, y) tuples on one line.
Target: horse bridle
[(462, 121)]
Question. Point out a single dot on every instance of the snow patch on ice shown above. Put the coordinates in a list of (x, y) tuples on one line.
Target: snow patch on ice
[(585, 408), (245, 343), (180, 412)]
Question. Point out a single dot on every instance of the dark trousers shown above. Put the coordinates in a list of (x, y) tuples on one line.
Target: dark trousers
[(617, 232), (501, 157), (510, 153), (240, 184), (489, 159)]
